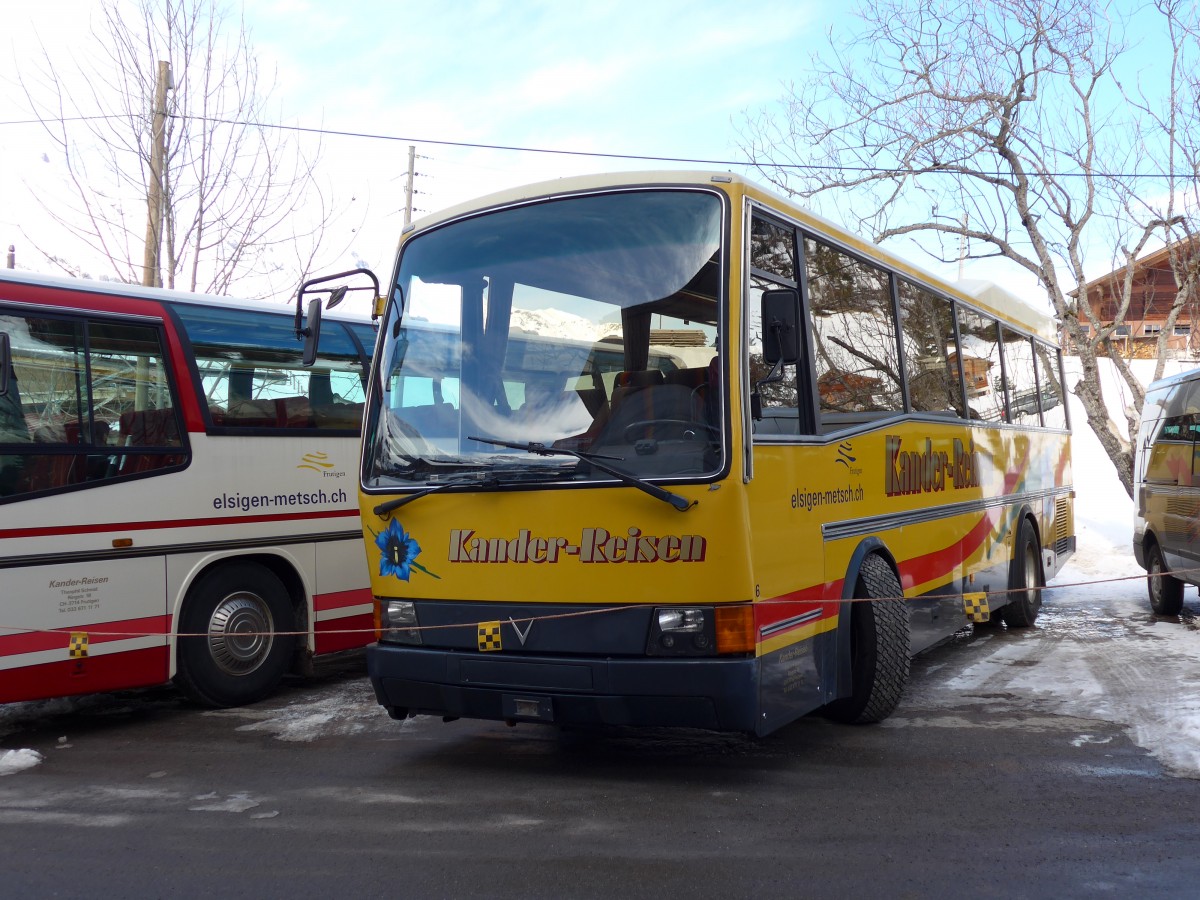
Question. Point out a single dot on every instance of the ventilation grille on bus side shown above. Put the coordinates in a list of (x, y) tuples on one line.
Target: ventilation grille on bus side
[(1061, 539)]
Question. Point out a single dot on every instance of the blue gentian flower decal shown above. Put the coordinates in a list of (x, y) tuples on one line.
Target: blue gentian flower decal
[(398, 552)]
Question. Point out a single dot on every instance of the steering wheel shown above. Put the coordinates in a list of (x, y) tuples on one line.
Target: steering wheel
[(686, 429)]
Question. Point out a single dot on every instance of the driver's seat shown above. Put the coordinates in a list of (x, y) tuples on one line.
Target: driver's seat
[(661, 406)]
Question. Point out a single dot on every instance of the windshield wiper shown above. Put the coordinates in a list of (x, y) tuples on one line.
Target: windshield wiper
[(537, 449), (384, 508)]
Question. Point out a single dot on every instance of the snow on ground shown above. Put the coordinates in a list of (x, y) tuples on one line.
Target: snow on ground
[(1100, 652), (351, 709), (1129, 666), (18, 760)]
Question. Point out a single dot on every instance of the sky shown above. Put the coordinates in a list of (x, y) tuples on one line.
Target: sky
[(658, 78), (653, 78)]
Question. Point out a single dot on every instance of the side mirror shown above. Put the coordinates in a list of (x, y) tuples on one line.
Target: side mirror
[(312, 331), (781, 326), (780, 310)]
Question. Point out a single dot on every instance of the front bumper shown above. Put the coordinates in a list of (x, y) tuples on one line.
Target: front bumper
[(718, 694)]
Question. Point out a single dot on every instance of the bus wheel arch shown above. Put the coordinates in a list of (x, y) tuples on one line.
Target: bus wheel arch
[(877, 635), (1025, 576), (237, 633), (1166, 591)]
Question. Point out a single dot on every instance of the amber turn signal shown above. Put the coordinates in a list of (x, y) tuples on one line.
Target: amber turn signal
[(735, 628)]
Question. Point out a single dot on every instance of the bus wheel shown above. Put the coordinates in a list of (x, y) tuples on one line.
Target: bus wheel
[(1166, 591), (236, 655), (879, 644), (1024, 580)]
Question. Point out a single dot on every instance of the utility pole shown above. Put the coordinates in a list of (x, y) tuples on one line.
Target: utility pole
[(152, 264), (408, 187)]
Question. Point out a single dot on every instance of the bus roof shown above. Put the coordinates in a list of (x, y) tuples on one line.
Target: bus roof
[(986, 294), (165, 295)]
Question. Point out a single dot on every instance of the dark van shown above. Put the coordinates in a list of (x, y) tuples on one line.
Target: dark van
[(1166, 472)]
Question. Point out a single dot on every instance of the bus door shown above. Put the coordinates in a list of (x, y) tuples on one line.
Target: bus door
[(87, 403)]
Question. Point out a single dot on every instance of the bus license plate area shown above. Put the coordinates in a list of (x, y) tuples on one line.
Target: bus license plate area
[(528, 707)]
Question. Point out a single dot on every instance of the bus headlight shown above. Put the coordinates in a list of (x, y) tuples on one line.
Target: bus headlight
[(680, 621), (398, 622), (682, 631)]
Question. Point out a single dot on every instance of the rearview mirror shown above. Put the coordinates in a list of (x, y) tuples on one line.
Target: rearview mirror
[(312, 331), (781, 326), (309, 333)]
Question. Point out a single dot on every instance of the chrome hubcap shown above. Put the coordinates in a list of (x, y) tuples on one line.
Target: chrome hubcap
[(1032, 588), (240, 633)]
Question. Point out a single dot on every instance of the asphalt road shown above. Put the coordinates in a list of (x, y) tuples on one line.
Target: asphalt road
[(317, 793)]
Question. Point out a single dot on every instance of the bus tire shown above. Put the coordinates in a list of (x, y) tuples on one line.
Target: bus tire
[(1166, 591), (1024, 580), (879, 645), (235, 654)]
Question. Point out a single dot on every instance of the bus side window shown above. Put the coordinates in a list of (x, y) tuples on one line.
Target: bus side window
[(981, 365), (13, 430), (857, 355), (253, 375), (1050, 387), (930, 351), (1020, 378), (71, 430), (773, 265)]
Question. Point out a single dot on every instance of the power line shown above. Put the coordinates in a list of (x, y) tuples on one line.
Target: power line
[(512, 148), (63, 119), (644, 158)]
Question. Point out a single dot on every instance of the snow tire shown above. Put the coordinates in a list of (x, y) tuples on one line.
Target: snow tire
[(879, 646), (1166, 591), (237, 655)]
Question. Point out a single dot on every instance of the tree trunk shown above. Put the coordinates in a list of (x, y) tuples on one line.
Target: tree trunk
[(1091, 395)]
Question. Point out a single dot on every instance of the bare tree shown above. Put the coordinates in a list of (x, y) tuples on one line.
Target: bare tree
[(1173, 124), (240, 199), (1004, 128)]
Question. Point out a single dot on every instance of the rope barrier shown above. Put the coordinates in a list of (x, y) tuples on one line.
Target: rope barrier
[(68, 631)]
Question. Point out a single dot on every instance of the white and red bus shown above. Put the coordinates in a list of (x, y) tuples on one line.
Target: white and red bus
[(177, 491)]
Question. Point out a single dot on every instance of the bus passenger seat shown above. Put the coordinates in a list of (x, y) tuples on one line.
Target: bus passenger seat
[(628, 384), (149, 428), (252, 414), (294, 412)]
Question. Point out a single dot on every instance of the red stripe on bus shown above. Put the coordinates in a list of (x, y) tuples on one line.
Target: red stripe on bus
[(344, 634), (117, 671), (59, 638), (918, 570), (58, 530), (341, 599), (940, 563), (782, 608)]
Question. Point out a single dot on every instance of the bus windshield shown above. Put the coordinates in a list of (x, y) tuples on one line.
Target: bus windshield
[(589, 324)]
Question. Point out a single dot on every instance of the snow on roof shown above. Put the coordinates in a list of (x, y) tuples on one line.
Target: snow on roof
[(994, 296)]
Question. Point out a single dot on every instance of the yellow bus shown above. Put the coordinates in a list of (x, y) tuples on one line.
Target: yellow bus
[(666, 449)]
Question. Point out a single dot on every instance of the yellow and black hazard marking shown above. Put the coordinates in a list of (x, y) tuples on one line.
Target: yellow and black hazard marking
[(975, 605), (78, 645), (489, 636)]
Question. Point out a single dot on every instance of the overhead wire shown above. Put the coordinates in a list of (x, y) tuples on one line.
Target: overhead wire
[(596, 154)]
